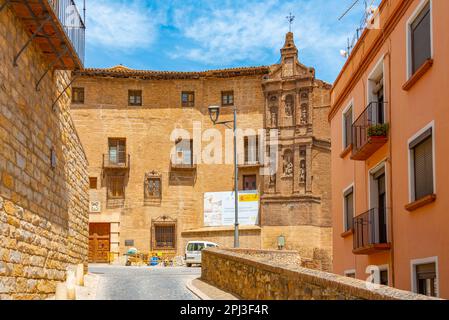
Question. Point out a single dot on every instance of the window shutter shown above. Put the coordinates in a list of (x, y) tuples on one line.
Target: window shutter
[(421, 46), (349, 208), (348, 128), (423, 169)]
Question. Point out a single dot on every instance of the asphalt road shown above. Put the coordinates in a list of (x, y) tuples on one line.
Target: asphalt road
[(144, 283)]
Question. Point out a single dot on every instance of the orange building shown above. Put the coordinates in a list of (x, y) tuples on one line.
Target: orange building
[(389, 124)]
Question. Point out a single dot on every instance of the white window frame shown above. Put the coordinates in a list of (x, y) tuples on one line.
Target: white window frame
[(417, 262), (379, 64), (411, 175), (344, 204), (343, 131), (408, 33), (385, 267), (382, 164)]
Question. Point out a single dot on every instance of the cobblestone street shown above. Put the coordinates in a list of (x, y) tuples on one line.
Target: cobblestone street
[(144, 283)]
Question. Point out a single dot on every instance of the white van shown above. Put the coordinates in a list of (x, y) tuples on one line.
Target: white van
[(193, 251)]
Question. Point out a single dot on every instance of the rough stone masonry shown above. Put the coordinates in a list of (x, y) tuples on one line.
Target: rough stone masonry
[(43, 207)]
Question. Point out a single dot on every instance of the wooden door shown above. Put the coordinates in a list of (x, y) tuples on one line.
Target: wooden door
[(99, 242)]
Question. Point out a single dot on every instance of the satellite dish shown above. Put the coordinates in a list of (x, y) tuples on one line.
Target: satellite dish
[(344, 53)]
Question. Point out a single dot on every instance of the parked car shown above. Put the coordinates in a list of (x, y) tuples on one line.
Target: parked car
[(193, 251)]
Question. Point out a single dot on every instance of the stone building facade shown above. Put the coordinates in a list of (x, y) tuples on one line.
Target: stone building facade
[(43, 168), (296, 200), (133, 113)]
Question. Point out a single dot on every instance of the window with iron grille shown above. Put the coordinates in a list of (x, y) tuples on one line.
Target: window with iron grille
[(347, 133), (426, 279), (227, 98), (153, 188), (188, 99), (421, 39), (78, 95), (116, 187), (165, 236), (349, 208), (135, 97), (421, 154)]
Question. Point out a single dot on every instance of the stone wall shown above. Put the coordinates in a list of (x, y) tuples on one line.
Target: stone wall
[(43, 209), (266, 276)]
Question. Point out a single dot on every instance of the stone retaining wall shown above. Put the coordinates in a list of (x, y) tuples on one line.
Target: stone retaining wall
[(245, 274)]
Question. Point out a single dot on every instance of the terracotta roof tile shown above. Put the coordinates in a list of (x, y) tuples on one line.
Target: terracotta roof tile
[(121, 71)]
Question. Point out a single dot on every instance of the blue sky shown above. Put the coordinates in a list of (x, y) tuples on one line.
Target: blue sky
[(195, 35)]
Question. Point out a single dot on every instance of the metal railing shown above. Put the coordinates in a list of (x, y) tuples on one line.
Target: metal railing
[(370, 228), (181, 163), (115, 161), (373, 115), (73, 24)]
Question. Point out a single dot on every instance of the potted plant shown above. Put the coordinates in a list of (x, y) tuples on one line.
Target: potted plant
[(378, 131)]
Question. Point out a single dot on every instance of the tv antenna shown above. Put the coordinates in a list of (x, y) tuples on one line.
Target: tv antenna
[(369, 10)]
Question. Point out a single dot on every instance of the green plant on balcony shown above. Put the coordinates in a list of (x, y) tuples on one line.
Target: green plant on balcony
[(378, 130)]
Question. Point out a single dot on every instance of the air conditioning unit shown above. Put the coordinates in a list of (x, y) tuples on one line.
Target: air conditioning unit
[(95, 206)]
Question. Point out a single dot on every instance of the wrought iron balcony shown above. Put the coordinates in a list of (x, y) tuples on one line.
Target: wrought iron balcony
[(370, 232), (179, 163), (116, 162), (56, 27), (250, 164), (369, 132)]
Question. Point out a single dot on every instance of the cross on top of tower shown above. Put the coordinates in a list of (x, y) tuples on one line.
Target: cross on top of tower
[(290, 20)]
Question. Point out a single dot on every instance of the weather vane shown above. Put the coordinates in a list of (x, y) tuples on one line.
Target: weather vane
[(290, 20)]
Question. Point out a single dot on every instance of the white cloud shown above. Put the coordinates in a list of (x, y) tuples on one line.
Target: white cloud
[(232, 32), (121, 25)]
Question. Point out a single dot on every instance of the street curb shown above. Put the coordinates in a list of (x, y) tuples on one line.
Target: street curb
[(196, 291)]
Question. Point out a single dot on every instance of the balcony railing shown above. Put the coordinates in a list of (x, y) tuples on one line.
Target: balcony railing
[(179, 163), (115, 162), (57, 28), (369, 131), (73, 24), (370, 232)]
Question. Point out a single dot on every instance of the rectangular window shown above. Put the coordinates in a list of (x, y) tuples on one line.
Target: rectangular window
[(251, 146), (165, 236), (250, 183), (78, 95), (347, 128), (188, 99), (350, 274), (129, 243), (117, 151), (426, 279), (93, 182), (135, 97), (420, 36), (184, 152), (153, 188), (421, 154), (349, 208), (227, 98), (384, 277), (116, 187)]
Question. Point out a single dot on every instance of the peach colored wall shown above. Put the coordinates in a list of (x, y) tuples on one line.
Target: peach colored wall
[(425, 232)]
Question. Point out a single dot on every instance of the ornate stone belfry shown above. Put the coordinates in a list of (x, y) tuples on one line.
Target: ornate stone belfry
[(296, 104)]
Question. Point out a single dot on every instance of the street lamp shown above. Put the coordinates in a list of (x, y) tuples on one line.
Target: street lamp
[(214, 113)]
